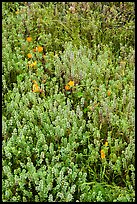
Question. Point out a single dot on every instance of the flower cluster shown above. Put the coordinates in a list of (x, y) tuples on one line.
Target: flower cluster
[(69, 85), (37, 49)]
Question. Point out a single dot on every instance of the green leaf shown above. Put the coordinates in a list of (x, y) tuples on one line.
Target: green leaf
[(79, 94), (85, 110)]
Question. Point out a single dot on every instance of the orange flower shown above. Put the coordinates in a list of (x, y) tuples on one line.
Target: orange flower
[(109, 93), (71, 83), (40, 49), (67, 88), (29, 55), (102, 154), (29, 39)]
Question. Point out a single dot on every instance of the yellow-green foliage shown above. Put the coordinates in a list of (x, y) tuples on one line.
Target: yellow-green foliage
[(68, 102)]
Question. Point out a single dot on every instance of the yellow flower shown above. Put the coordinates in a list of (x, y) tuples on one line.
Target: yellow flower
[(29, 39), (17, 12), (106, 144), (67, 88), (40, 49), (33, 64), (35, 87), (29, 55), (102, 154), (71, 83)]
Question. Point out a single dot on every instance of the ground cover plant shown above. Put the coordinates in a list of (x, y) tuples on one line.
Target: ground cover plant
[(68, 109)]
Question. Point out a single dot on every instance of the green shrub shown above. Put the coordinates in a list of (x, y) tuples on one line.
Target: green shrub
[(68, 111)]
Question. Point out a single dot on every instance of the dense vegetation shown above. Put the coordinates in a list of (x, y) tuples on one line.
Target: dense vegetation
[(68, 102)]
